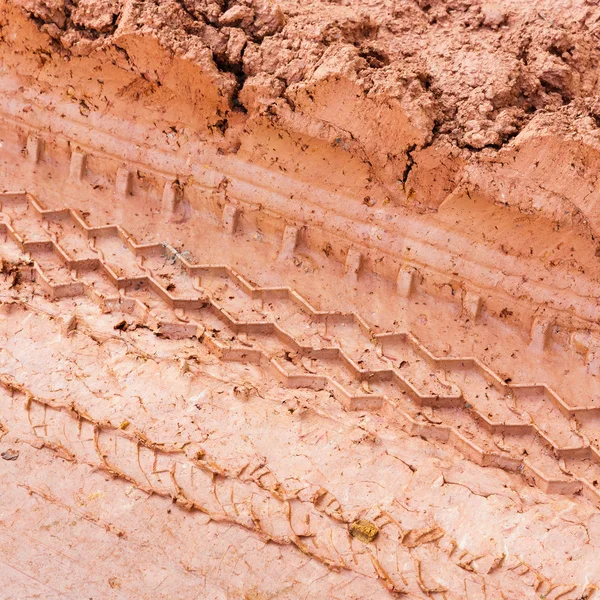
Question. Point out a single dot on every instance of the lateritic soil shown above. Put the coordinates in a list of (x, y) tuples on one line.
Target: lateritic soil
[(299, 299)]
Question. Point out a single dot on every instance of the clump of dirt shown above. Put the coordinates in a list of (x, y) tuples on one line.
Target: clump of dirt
[(483, 69), (423, 92), (364, 530), (12, 271)]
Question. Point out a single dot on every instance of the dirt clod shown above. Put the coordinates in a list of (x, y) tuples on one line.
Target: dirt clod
[(364, 530), (10, 454)]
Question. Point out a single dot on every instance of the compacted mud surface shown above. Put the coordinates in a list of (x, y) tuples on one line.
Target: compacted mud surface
[(299, 299)]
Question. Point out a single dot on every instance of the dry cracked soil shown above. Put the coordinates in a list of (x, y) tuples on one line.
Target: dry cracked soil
[(299, 299)]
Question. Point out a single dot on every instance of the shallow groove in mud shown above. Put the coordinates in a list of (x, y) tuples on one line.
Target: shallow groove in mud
[(458, 400)]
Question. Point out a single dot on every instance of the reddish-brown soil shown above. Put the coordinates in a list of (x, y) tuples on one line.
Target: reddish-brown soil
[(299, 299)]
